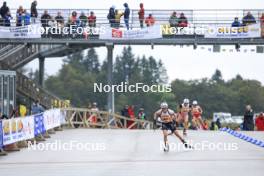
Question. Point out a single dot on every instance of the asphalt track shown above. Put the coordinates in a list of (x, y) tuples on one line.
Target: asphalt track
[(137, 153)]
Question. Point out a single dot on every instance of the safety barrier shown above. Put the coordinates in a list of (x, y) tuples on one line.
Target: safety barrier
[(20, 129), (243, 137), (81, 117), (26, 128)]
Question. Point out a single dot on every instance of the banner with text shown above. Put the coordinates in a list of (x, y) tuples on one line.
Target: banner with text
[(29, 31), (226, 31), (52, 118), (18, 129), (153, 32)]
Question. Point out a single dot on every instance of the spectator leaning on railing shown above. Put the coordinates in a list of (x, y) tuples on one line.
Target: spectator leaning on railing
[(19, 16), (92, 20), (45, 18), (150, 21), (236, 23), (248, 19), (262, 24), (59, 19), (111, 16), (7, 19), (73, 20), (34, 12), (118, 16), (83, 19), (141, 15), (183, 22), (174, 21), (26, 18), (36, 108)]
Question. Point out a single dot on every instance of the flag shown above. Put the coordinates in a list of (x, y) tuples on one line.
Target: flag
[(39, 124)]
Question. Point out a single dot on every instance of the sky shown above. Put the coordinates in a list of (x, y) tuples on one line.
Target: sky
[(182, 63)]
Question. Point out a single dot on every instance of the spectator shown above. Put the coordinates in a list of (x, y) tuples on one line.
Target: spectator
[(73, 20), (92, 20), (150, 21), (183, 22), (236, 23), (33, 12), (248, 124), (111, 16), (218, 123), (262, 24), (141, 114), (131, 112), (3, 10), (26, 18), (174, 21), (141, 15), (59, 19), (36, 108), (94, 113), (213, 126), (126, 15), (248, 19), (118, 16), (22, 110), (20, 10), (124, 113), (83, 19), (7, 19), (206, 125), (260, 122), (45, 18), (19, 16)]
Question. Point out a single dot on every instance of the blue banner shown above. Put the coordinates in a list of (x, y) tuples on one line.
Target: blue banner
[(1, 134), (39, 124)]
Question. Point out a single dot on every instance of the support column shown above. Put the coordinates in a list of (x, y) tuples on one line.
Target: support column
[(41, 71), (110, 95)]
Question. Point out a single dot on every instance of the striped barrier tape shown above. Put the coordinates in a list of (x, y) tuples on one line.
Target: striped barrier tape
[(243, 137)]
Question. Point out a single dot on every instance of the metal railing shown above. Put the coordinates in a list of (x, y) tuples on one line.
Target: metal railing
[(194, 17)]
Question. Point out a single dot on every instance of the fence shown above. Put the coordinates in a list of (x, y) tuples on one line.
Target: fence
[(194, 17)]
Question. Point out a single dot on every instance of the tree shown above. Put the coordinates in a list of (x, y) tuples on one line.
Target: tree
[(217, 76), (91, 61)]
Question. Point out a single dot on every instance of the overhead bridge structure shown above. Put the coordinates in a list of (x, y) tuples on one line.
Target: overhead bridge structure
[(17, 52)]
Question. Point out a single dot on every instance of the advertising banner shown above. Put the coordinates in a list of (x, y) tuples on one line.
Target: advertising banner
[(17, 129), (29, 31), (52, 118), (153, 32), (226, 31), (39, 124)]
